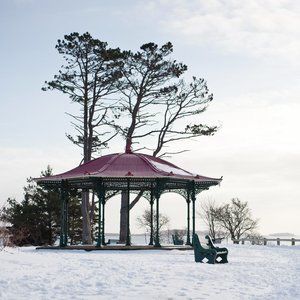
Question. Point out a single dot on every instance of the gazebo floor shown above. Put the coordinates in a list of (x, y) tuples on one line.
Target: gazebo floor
[(115, 247)]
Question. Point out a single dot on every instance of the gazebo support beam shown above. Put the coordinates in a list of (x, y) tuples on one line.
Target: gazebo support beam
[(99, 187), (64, 216), (66, 219), (157, 196), (188, 201), (128, 214), (157, 242), (62, 221), (151, 218), (99, 221), (193, 196), (103, 222)]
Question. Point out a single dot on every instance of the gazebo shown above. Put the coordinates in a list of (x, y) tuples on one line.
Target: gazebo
[(111, 174)]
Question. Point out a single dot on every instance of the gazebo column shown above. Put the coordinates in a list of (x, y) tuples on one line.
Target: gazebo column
[(157, 196), (193, 196), (151, 218), (188, 201), (64, 215), (101, 199), (62, 218), (157, 243), (99, 221), (103, 221), (128, 214), (66, 218)]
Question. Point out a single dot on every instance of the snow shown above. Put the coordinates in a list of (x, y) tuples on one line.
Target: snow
[(169, 169), (253, 272)]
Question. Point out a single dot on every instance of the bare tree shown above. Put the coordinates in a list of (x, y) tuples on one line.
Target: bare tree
[(180, 105), (255, 237), (235, 218), (208, 215), (144, 221), (88, 78), (155, 103)]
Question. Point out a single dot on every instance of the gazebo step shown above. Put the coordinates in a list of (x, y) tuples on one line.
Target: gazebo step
[(115, 247)]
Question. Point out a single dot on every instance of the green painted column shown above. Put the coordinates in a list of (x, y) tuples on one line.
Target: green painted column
[(128, 214), (66, 218), (157, 241), (103, 222), (188, 201), (157, 196), (151, 218), (62, 216), (99, 187), (193, 196), (99, 221)]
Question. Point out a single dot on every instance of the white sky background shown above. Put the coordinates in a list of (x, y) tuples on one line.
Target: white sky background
[(248, 51)]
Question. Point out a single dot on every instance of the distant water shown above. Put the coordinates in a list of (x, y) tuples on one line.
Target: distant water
[(139, 239), (143, 239)]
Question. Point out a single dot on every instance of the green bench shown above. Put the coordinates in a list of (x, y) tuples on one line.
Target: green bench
[(217, 240), (176, 240), (113, 241), (212, 253)]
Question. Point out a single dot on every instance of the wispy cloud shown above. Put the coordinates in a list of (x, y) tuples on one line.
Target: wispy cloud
[(254, 27)]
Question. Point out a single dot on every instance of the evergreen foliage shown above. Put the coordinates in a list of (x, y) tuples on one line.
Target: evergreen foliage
[(36, 219), (88, 76)]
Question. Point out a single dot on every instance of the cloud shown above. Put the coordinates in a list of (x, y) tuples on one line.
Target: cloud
[(256, 28)]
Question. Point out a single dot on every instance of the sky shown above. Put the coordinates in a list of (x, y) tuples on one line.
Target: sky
[(249, 53)]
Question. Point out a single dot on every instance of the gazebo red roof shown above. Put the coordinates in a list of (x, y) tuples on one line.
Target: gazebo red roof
[(124, 165)]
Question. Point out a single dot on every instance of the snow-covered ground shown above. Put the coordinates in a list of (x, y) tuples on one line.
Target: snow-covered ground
[(253, 272)]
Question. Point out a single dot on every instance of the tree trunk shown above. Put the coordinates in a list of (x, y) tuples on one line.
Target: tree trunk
[(123, 218), (233, 238), (86, 224), (124, 214)]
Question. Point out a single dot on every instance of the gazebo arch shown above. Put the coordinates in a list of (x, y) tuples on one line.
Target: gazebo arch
[(131, 172)]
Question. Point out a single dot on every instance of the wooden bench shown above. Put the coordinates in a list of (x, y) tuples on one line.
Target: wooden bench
[(176, 240), (212, 253)]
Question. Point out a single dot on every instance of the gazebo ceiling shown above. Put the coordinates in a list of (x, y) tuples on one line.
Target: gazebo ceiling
[(135, 166)]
